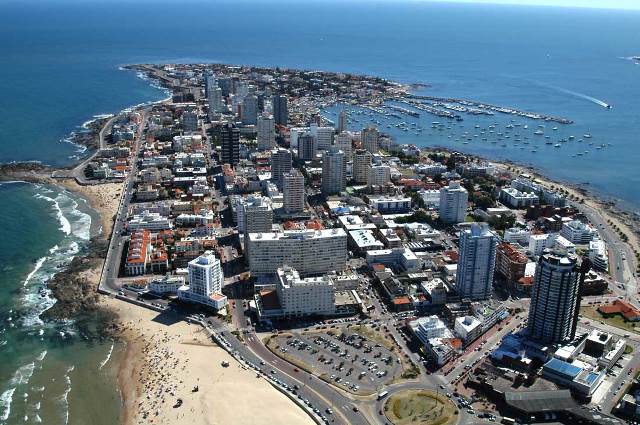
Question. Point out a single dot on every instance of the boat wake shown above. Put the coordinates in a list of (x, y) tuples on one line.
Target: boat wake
[(578, 95)]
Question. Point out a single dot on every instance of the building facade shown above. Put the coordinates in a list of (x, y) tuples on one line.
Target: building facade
[(453, 203), (477, 261), (309, 252), (555, 302), (334, 172), (293, 192)]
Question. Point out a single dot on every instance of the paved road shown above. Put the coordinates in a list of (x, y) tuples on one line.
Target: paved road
[(623, 262), (109, 277)]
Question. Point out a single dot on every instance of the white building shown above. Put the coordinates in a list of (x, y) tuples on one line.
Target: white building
[(379, 175), (304, 296), (430, 197), (516, 235), (468, 328), (166, 285), (476, 265), (578, 232), (537, 243), (436, 290), (153, 222), (309, 252), (361, 166), (402, 258), (334, 172), (370, 139), (343, 142), (205, 282), (453, 203), (434, 335), (293, 192), (364, 240), (323, 136), (516, 199), (599, 255), (255, 214), (266, 132)]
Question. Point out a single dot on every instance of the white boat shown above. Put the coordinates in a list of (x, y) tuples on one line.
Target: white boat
[(538, 132), (587, 136)]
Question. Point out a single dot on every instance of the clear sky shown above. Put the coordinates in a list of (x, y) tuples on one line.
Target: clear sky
[(608, 4)]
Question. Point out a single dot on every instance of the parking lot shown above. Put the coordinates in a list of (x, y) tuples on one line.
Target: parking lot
[(346, 359)]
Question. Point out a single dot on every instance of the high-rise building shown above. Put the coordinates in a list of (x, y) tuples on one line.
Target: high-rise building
[(342, 121), (555, 301), (343, 142), (205, 282), (190, 121), (323, 136), (361, 166), (477, 262), (307, 147), (266, 132), (256, 215), (216, 102), (226, 85), (304, 296), (230, 141), (293, 192), (209, 83), (280, 109), (370, 136), (379, 175), (334, 172), (250, 110), (311, 252), (281, 163), (453, 203)]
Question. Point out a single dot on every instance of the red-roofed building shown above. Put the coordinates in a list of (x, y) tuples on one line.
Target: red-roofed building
[(626, 310)]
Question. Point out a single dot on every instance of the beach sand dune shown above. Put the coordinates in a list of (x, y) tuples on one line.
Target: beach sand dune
[(165, 361)]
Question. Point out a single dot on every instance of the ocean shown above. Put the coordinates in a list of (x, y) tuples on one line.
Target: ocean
[(60, 67)]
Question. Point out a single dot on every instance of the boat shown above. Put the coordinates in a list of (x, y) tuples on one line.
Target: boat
[(587, 136), (557, 145), (538, 132), (555, 128)]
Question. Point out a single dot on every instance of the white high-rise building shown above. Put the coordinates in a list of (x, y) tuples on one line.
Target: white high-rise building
[(370, 139), (305, 296), (293, 192), (281, 163), (343, 142), (256, 215), (379, 175), (205, 282), (323, 136), (361, 166), (554, 298), (476, 263), (334, 172), (311, 252), (266, 132), (453, 203)]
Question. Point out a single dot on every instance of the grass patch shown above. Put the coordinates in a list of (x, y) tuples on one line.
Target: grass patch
[(628, 349), (420, 407), (617, 320)]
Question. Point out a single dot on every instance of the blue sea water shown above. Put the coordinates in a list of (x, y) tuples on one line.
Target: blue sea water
[(59, 66)]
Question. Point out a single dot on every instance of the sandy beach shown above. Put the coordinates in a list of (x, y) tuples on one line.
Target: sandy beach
[(104, 198), (165, 360)]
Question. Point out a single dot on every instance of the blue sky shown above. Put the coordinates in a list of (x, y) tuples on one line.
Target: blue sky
[(602, 4), (608, 4)]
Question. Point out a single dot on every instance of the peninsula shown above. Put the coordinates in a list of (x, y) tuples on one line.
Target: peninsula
[(275, 253)]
